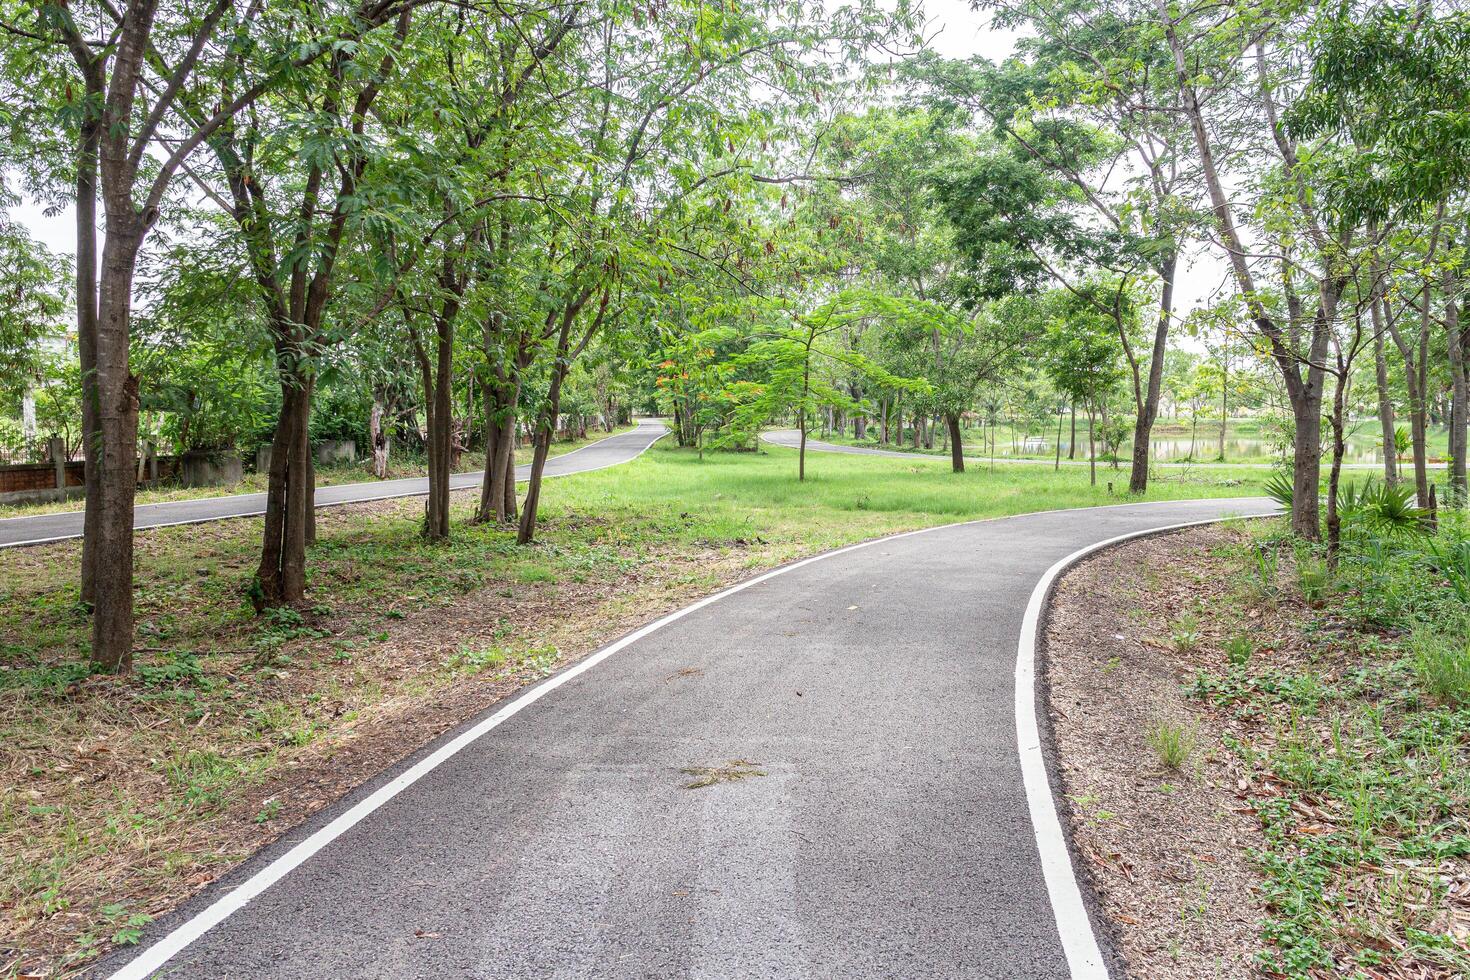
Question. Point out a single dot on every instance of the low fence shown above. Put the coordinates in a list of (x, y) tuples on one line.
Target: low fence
[(61, 476)]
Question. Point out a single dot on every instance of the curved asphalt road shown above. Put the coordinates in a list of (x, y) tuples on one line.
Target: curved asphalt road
[(791, 439), (56, 527), (878, 828)]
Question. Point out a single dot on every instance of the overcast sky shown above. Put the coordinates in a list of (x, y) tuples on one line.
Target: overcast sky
[(956, 31)]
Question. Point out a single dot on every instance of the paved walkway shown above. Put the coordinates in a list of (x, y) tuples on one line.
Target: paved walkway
[(56, 527), (830, 770)]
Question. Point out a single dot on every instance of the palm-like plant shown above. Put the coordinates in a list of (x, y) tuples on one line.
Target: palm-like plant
[(1376, 506)]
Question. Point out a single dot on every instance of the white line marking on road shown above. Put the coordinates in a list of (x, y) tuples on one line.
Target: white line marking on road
[(155, 956)]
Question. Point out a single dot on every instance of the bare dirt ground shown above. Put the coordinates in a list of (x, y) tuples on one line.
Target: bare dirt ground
[(1166, 849)]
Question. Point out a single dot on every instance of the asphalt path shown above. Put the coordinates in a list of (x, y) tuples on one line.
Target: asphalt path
[(598, 455), (861, 719), (791, 439)]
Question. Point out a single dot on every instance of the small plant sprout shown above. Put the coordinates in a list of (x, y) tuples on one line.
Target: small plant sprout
[(1184, 633), (1313, 577), (1173, 743), (1239, 649)]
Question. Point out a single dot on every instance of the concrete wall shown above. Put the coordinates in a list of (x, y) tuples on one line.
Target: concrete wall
[(211, 469)]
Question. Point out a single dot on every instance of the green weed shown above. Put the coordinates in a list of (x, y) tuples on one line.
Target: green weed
[(1172, 743)]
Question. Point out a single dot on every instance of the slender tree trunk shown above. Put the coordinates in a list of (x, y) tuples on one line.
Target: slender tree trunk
[(1339, 449), (547, 423), (801, 447), (1057, 467), (508, 481), (1414, 383), (1386, 420), (1091, 447), (1072, 446), (956, 443), (1148, 405), (1455, 343), (1224, 410)]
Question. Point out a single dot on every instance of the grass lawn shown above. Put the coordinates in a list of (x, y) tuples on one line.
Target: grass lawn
[(121, 796), (326, 476)]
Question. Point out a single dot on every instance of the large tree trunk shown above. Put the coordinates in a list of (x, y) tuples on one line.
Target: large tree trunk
[(87, 338), (438, 400), (956, 442), (1306, 464), (116, 391), (290, 496), (498, 489)]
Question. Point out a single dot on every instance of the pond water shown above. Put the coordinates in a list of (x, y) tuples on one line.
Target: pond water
[(1361, 448)]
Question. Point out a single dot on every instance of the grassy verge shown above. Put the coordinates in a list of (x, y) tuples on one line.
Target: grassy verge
[(1329, 707), (121, 796), (1361, 746), (326, 476)]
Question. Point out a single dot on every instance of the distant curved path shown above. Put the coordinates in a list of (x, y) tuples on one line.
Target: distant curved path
[(791, 439), (607, 452)]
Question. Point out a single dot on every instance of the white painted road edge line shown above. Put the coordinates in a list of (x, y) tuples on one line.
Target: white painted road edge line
[(155, 956), (1084, 956), (397, 495)]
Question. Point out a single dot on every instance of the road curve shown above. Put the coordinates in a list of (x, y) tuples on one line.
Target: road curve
[(858, 716), (791, 439), (598, 455)]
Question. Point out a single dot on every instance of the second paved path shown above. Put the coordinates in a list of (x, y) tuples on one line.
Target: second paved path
[(598, 455)]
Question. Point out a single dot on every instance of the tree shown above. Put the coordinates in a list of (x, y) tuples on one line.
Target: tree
[(1083, 359)]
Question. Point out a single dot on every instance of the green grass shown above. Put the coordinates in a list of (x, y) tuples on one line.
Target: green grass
[(1442, 661), (1172, 743), (1358, 747)]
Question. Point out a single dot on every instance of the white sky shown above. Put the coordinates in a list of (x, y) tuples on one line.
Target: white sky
[(956, 31)]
